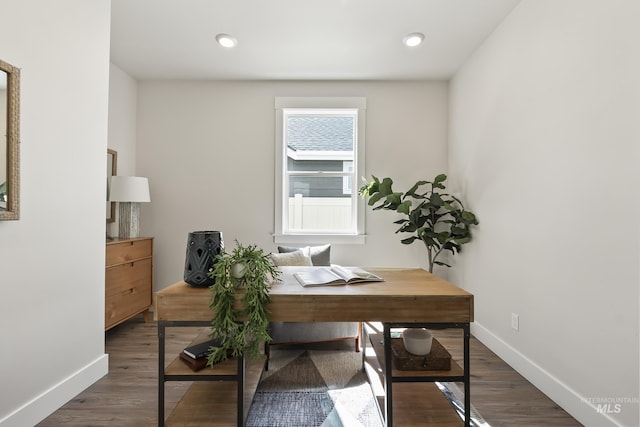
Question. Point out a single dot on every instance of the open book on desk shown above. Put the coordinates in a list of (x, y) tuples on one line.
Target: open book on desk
[(334, 275)]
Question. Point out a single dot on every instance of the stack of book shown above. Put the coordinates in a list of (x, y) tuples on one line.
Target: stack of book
[(196, 356)]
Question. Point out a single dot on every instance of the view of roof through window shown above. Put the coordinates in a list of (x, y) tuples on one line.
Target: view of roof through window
[(320, 133)]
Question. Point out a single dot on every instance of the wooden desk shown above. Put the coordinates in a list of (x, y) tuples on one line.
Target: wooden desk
[(411, 297)]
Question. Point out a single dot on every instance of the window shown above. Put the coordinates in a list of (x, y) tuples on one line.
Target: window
[(319, 153)]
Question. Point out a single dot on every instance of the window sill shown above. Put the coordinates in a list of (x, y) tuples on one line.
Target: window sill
[(308, 239)]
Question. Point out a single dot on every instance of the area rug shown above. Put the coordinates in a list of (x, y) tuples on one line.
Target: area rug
[(323, 388), (315, 388)]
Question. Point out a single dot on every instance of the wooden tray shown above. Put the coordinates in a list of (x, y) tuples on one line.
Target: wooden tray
[(438, 358)]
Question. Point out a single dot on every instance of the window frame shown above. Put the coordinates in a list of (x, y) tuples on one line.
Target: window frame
[(345, 181), (282, 235)]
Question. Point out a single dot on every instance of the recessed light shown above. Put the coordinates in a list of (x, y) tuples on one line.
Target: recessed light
[(225, 40), (413, 39)]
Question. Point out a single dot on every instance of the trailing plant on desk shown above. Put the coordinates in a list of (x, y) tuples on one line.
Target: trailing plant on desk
[(240, 324), (438, 219)]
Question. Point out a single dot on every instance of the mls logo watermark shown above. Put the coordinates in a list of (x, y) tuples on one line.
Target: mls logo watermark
[(609, 408), (610, 405)]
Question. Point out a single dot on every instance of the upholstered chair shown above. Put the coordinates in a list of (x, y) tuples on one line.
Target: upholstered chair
[(305, 333)]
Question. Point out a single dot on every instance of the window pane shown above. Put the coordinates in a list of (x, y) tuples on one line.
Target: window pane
[(319, 143), (331, 212), (317, 186)]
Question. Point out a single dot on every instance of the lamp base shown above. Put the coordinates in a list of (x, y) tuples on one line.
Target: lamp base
[(128, 220)]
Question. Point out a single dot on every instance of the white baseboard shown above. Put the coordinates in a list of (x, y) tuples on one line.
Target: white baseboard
[(568, 399), (50, 400)]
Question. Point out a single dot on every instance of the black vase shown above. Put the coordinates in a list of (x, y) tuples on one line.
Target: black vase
[(202, 249)]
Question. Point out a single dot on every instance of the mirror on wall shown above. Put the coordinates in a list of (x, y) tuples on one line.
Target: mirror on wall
[(112, 170), (9, 142)]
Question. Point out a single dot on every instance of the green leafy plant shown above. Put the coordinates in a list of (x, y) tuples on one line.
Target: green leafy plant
[(437, 219), (240, 291)]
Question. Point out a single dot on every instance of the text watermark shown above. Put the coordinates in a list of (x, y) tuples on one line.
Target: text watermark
[(610, 405)]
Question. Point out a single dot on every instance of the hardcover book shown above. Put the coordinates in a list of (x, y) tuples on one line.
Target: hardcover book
[(201, 350), (195, 364)]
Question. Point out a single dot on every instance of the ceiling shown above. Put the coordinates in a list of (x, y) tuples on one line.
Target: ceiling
[(299, 39)]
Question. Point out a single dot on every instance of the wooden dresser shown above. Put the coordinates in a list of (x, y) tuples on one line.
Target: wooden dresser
[(128, 279)]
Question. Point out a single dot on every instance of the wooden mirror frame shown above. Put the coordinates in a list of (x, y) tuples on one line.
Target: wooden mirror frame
[(12, 211), (112, 160)]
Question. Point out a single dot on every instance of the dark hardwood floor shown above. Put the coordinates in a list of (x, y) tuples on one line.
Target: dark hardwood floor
[(128, 395)]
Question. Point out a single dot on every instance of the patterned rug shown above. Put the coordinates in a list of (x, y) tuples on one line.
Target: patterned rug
[(322, 388), (315, 388)]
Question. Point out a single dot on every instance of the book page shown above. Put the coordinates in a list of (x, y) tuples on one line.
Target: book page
[(355, 274), (318, 276)]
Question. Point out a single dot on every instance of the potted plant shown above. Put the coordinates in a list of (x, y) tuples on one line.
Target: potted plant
[(240, 325), (437, 219)]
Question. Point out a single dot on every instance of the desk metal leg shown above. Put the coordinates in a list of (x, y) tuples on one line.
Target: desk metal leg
[(240, 387), (388, 377), (467, 377), (161, 336), (365, 341)]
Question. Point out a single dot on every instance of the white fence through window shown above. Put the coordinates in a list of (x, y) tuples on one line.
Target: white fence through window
[(320, 213)]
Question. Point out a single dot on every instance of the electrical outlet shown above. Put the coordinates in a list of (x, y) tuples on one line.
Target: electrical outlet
[(515, 321)]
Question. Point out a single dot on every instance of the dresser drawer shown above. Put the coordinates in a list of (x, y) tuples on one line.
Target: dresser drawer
[(130, 250), (125, 277), (128, 303)]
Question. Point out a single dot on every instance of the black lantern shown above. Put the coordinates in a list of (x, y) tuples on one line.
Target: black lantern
[(202, 249)]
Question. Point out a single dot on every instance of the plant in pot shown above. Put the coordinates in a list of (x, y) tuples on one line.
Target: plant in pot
[(242, 280), (437, 219)]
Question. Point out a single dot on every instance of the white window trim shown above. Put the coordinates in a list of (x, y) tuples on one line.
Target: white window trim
[(282, 103), (315, 155)]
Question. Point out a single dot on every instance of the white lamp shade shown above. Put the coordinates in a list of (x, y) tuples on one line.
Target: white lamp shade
[(129, 189)]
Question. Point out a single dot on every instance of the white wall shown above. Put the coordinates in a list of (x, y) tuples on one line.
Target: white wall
[(123, 99), (52, 259), (544, 146), (208, 150)]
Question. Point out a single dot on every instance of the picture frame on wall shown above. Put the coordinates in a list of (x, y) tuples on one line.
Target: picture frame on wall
[(112, 169)]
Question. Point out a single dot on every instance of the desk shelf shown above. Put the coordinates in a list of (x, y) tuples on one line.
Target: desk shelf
[(213, 403), (220, 395), (180, 371), (410, 398), (205, 404)]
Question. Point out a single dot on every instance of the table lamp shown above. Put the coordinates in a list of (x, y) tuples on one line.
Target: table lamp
[(129, 191)]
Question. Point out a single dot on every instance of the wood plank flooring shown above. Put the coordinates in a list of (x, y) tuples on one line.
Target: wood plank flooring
[(128, 395)]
